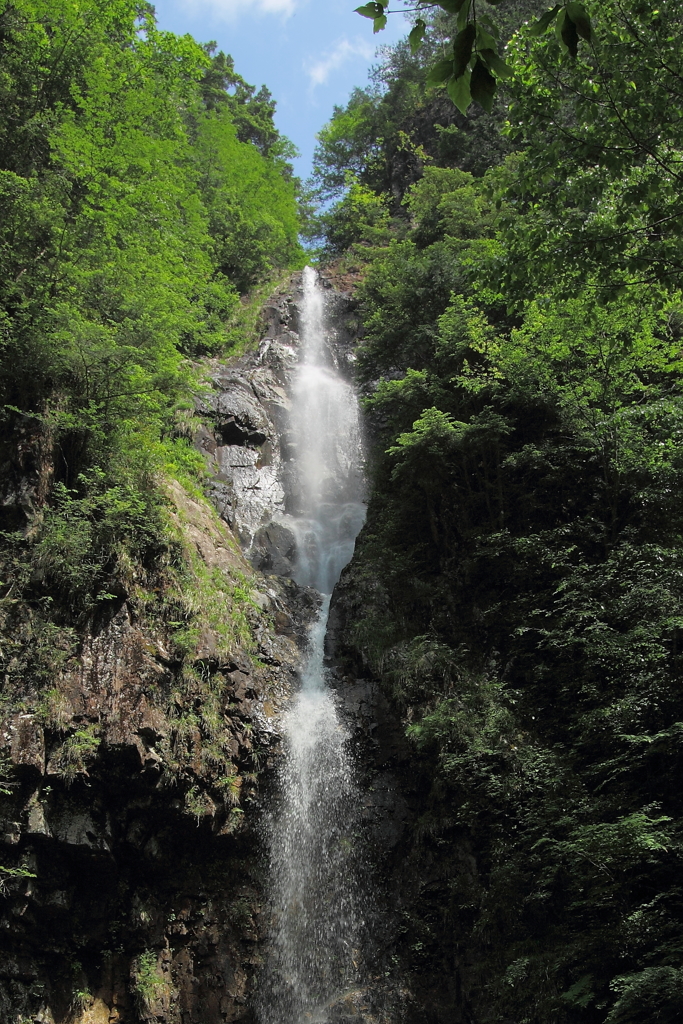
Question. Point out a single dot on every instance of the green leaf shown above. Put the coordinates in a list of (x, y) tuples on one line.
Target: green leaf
[(463, 16), (379, 23), (578, 14), (569, 35), (372, 10), (539, 27), (487, 20), (459, 91), (462, 49), (442, 70), (452, 6), (417, 35), (581, 993), (485, 40), (483, 86), (16, 872), (496, 63)]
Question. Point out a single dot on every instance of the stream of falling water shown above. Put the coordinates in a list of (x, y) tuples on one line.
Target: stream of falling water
[(314, 887)]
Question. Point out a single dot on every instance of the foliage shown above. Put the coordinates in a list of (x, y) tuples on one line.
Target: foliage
[(387, 134), (8, 875), (133, 213), (147, 979), (653, 994), (517, 587), (252, 210), (5, 775), (598, 191), (474, 67), (143, 186), (196, 597), (76, 752), (360, 216)]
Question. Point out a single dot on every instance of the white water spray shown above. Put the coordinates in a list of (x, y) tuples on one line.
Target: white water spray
[(314, 888), (327, 435)]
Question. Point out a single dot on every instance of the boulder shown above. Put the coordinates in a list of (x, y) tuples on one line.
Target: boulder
[(240, 418), (273, 549)]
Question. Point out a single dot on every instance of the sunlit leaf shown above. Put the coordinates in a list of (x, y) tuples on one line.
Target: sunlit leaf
[(459, 92), (440, 72)]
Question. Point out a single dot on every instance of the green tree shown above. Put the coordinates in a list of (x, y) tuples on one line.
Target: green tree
[(516, 589), (472, 66), (139, 196)]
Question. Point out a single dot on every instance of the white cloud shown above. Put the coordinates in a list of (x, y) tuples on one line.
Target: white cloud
[(227, 10), (343, 51)]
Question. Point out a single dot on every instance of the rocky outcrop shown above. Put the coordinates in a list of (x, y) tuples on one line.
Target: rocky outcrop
[(247, 436), (129, 828)]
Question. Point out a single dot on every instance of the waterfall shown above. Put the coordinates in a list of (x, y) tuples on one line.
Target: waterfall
[(314, 887)]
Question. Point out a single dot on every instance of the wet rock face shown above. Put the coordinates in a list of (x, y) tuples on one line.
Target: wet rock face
[(246, 416), (274, 549), (247, 437), (421, 959)]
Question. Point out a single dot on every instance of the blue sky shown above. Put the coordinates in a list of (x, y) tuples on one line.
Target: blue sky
[(310, 53)]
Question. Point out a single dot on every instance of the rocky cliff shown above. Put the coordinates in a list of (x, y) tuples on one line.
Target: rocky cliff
[(134, 806), (135, 761), (142, 762)]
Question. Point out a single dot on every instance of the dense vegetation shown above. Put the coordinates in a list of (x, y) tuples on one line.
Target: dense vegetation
[(144, 190), (518, 586), (471, 65)]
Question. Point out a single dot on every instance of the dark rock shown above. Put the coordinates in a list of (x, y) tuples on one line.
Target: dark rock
[(273, 550), (75, 827), (240, 418)]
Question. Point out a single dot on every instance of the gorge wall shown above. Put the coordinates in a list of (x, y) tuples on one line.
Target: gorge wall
[(130, 819), (143, 763)]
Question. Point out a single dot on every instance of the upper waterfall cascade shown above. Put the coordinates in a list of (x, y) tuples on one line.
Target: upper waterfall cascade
[(327, 435), (314, 882)]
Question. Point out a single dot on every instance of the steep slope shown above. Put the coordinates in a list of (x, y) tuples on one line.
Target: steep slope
[(132, 804)]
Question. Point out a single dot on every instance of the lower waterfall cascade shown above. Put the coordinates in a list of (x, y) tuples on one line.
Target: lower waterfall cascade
[(315, 889)]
